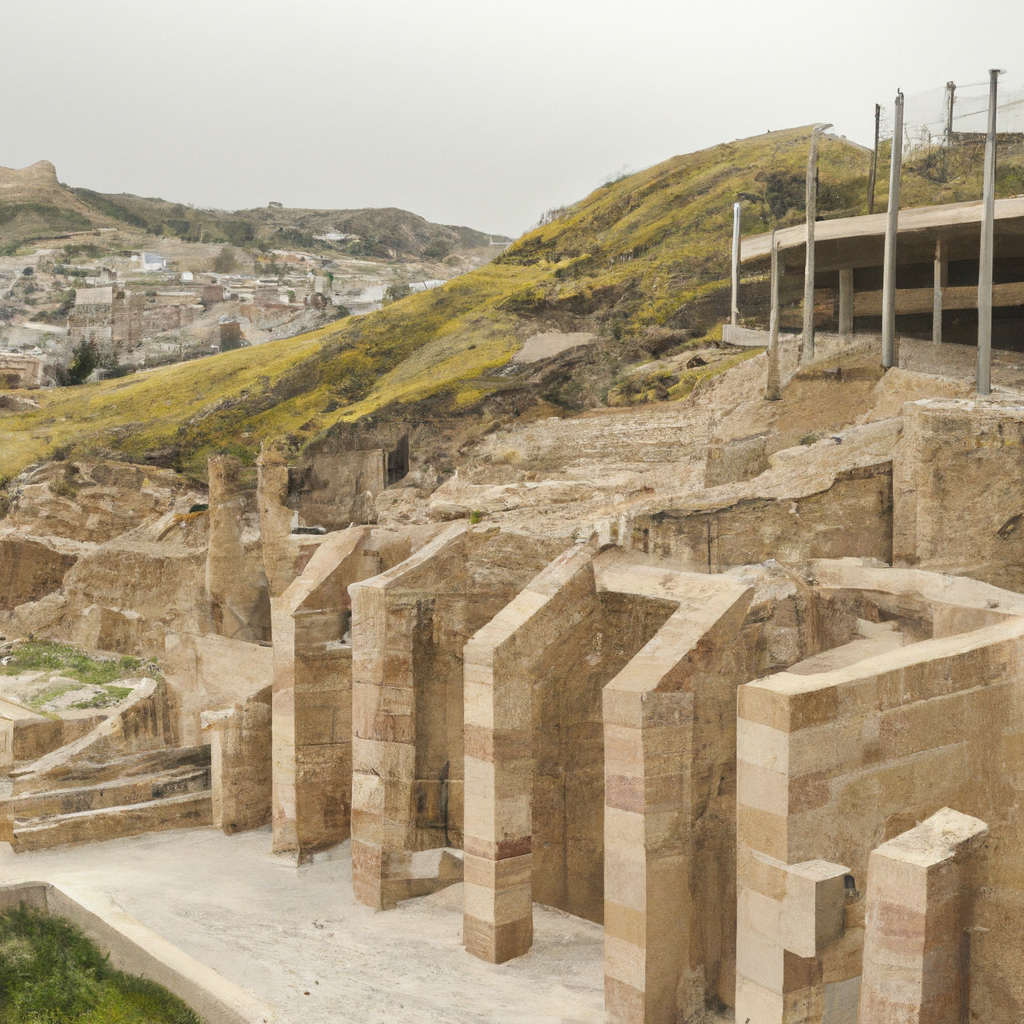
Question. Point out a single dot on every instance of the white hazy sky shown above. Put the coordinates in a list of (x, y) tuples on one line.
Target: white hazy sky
[(478, 112)]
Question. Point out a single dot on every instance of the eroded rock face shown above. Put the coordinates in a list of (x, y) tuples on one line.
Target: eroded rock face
[(94, 500), (29, 570)]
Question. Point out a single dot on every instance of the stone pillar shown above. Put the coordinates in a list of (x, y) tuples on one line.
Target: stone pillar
[(499, 828), (313, 698), (891, 232), (916, 940), (240, 763), (941, 280), (846, 303), (648, 904), (235, 585)]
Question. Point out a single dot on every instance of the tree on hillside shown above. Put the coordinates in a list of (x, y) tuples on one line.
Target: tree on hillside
[(224, 262), (84, 359)]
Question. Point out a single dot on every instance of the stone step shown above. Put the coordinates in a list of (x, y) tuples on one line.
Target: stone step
[(114, 770), (189, 810), (124, 791)]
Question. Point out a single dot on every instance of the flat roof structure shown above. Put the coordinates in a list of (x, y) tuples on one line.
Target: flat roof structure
[(860, 241)]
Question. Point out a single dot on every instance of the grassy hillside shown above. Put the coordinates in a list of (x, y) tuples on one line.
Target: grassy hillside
[(642, 262)]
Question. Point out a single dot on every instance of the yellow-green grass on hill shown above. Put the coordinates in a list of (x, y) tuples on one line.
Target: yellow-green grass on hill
[(645, 254)]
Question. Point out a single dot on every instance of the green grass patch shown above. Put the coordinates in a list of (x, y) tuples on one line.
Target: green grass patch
[(47, 656), (51, 973), (110, 696)]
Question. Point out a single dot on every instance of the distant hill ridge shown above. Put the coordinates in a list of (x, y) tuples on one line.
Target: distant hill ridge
[(35, 205)]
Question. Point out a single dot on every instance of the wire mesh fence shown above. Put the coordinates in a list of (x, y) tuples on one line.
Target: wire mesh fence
[(957, 114)]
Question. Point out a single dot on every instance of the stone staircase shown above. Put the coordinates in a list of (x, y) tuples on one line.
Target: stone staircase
[(141, 792), (147, 792)]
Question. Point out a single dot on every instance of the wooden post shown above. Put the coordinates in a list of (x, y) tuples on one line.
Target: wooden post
[(807, 355), (891, 231), (773, 391), (846, 303), (735, 264), (874, 162), (988, 217), (950, 94), (940, 282)]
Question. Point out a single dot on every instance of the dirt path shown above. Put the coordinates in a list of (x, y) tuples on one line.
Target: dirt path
[(282, 932)]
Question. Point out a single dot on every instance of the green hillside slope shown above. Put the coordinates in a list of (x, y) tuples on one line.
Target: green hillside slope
[(643, 263)]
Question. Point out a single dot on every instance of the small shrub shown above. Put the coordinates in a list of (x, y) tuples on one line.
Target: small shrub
[(396, 292), (475, 516)]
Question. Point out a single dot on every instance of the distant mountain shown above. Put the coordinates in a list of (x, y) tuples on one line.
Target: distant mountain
[(35, 205)]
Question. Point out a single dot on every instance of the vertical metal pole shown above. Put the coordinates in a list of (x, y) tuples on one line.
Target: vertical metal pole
[(874, 162), (950, 94), (773, 391), (891, 229), (812, 212), (846, 303), (988, 218), (940, 281), (735, 264)]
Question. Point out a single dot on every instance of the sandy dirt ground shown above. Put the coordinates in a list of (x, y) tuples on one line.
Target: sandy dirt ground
[(296, 938)]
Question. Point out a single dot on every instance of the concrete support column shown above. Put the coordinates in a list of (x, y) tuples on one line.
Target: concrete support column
[(811, 213), (984, 374), (773, 390), (916, 943), (891, 231), (846, 304), (735, 307), (941, 281)]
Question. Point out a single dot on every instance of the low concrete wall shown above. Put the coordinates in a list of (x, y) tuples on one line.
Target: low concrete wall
[(135, 949)]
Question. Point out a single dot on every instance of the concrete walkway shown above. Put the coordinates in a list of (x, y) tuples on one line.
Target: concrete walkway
[(296, 938)]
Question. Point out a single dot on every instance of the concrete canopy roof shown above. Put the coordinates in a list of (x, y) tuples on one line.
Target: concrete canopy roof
[(860, 241)]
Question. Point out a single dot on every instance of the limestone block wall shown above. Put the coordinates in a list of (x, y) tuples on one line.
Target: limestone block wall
[(312, 701), (236, 582), (918, 928), (534, 749), (29, 570), (853, 516), (330, 489), (211, 672), (409, 627), (960, 491), (669, 796), (241, 776), (161, 583), (832, 764)]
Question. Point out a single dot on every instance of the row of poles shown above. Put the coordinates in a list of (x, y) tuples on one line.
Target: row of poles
[(773, 391)]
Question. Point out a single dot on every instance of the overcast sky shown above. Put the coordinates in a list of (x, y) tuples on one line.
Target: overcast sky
[(478, 112)]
